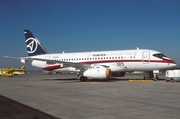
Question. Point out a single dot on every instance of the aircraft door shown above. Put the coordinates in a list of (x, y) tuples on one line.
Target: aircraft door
[(146, 57)]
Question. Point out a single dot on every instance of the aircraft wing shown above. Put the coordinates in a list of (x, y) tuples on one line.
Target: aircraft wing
[(65, 64), (70, 64)]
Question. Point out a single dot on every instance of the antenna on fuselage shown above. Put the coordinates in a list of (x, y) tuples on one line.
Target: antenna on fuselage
[(137, 48)]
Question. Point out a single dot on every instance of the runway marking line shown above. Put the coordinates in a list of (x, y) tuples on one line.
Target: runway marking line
[(136, 80)]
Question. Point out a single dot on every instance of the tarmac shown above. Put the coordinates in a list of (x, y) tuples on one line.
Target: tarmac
[(43, 96)]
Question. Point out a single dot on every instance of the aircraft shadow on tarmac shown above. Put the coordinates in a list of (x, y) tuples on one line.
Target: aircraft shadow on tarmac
[(76, 80), (68, 80)]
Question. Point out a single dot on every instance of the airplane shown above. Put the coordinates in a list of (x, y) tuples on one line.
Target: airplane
[(11, 71), (95, 64), (17, 71)]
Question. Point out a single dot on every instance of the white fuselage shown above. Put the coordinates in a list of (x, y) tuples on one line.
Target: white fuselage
[(118, 60)]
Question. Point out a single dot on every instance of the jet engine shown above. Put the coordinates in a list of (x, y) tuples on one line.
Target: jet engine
[(100, 73)]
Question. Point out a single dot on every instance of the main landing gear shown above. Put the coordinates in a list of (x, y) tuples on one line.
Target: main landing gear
[(83, 79)]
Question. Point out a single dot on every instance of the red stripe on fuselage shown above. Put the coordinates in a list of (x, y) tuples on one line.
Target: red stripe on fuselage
[(109, 61), (52, 67), (164, 61)]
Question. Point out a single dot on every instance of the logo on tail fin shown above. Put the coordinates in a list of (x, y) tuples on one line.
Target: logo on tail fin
[(32, 45)]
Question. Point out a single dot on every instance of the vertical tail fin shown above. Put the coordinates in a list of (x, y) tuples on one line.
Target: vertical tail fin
[(33, 45), (23, 68)]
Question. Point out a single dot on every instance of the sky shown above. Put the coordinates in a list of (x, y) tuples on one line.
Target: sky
[(89, 25)]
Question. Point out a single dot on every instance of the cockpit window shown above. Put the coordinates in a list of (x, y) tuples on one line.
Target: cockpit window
[(159, 55)]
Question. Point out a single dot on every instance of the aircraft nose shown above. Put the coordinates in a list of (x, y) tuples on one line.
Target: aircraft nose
[(172, 64)]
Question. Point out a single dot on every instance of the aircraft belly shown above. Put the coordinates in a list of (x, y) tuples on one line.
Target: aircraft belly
[(148, 66), (135, 66), (66, 69)]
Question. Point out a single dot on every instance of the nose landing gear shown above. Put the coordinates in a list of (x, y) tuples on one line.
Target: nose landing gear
[(155, 77), (152, 76)]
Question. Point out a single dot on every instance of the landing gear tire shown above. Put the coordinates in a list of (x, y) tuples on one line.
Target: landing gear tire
[(83, 79), (172, 80), (155, 78)]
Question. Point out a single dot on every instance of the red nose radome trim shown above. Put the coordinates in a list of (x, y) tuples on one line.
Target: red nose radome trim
[(164, 61), (108, 73), (169, 61)]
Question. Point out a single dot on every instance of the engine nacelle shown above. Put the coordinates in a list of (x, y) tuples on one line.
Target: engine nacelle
[(100, 73)]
